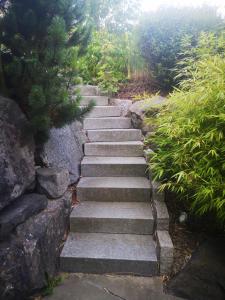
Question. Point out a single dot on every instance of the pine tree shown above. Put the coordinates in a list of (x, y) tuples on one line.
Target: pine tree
[(39, 39)]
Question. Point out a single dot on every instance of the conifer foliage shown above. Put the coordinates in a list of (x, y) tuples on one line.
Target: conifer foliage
[(39, 39)]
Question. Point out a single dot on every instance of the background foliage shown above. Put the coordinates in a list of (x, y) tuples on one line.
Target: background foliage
[(189, 158), (161, 34), (106, 60), (112, 54)]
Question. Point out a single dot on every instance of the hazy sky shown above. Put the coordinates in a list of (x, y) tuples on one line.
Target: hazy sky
[(154, 4)]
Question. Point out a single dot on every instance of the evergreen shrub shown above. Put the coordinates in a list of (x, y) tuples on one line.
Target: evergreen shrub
[(39, 40)]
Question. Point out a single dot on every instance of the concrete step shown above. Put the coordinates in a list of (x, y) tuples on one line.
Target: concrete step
[(95, 166), (104, 111), (107, 123), (112, 217), (99, 100), (126, 149), (109, 253), (114, 135), (88, 90), (115, 189)]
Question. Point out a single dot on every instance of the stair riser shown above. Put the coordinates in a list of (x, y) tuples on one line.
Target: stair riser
[(113, 194), (113, 170), (102, 112), (113, 150), (98, 100), (100, 123), (101, 266), (114, 136), (122, 226)]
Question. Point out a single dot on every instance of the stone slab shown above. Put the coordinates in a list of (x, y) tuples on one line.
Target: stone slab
[(112, 217), (94, 166), (161, 214), (109, 253), (164, 251), (121, 189), (114, 135), (157, 195), (110, 287), (107, 123), (114, 149)]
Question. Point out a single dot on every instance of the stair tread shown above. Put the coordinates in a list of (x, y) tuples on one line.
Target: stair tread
[(104, 160), (106, 123), (103, 111), (110, 246), (113, 210), (99, 100), (109, 118), (117, 143), (114, 182), (94, 97), (114, 129)]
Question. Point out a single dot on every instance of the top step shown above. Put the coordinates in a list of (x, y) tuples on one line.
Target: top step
[(88, 90), (98, 100)]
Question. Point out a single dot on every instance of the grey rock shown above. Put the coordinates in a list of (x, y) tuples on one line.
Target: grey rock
[(124, 105), (32, 254), (19, 211), (183, 217), (140, 109), (17, 171), (64, 149), (52, 181), (203, 278)]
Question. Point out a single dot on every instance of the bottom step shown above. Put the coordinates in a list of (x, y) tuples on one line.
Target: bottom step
[(109, 253)]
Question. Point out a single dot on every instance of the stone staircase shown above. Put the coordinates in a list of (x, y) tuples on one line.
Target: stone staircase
[(112, 227)]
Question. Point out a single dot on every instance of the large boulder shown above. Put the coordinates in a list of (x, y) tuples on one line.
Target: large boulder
[(64, 149), (140, 109), (124, 105), (52, 182), (31, 256), (19, 211), (203, 278), (17, 169)]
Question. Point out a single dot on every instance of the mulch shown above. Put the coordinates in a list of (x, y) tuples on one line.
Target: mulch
[(136, 87)]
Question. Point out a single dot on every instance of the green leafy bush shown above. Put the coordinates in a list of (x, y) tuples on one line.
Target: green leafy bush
[(105, 62), (38, 40), (190, 139), (161, 34)]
